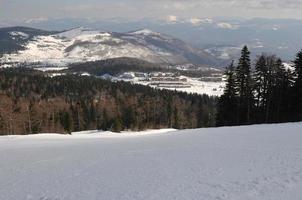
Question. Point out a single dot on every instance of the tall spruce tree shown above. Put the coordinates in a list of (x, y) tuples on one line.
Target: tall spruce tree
[(271, 83), (65, 121), (282, 92), (297, 88), (274, 88), (244, 87), (260, 78), (226, 114)]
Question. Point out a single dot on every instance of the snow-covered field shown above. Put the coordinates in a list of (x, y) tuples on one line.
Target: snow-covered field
[(194, 85), (262, 162), (203, 87)]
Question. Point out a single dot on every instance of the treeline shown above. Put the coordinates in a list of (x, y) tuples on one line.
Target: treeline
[(32, 103), (116, 66), (266, 92)]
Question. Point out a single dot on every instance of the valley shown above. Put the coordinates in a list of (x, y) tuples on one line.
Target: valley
[(144, 55)]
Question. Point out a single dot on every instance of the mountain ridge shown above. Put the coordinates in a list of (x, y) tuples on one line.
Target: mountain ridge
[(84, 44)]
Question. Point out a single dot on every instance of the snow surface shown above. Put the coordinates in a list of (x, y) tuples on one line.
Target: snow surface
[(18, 34), (76, 32), (262, 162), (289, 66), (203, 87), (77, 45), (197, 86), (45, 69), (145, 32)]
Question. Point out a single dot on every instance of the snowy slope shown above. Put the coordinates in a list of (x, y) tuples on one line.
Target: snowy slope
[(83, 44), (261, 162)]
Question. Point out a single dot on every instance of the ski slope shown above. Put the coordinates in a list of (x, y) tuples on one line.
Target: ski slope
[(262, 162)]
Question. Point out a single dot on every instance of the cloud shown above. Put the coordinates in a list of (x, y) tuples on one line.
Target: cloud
[(225, 25), (276, 4), (190, 10), (172, 19), (199, 21), (80, 8), (36, 20), (196, 21), (252, 4)]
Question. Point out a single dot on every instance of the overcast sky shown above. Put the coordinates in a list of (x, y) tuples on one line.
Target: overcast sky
[(153, 9)]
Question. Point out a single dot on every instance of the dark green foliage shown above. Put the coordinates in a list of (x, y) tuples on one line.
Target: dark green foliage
[(1, 122), (244, 88), (261, 73), (103, 121), (114, 66), (176, 118), (227, 103), (65, 121), (297, 88), (117, 125), (129, 118), (117, 66), (169, 110), (274, 96), (271, 90)]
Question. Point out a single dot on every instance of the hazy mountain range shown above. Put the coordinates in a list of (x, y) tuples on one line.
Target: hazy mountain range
[(221, 37), (26, 45)]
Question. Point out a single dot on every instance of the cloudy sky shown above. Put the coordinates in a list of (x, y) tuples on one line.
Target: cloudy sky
[(152, 9)]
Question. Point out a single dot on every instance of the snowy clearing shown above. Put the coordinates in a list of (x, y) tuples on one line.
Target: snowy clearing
[(191, 85), (262, 162)]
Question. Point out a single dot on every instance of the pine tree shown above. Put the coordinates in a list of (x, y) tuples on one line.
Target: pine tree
[(129, 118), (65, 121), (2, 123), (271, 89), (176, 124), (33, 121), (76, 117), (260, 77), (103, 123), (227, 103), (169, 111), (283, 77), (117, 125), (244, 87), (297, 88)]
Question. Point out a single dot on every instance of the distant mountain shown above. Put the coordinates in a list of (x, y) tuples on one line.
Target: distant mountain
[(83, 45), (222, 37), (13, 39)]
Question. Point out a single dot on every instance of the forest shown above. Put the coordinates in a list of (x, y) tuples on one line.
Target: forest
[(116, 66), (259, 91), (31, 102), (263, 91)]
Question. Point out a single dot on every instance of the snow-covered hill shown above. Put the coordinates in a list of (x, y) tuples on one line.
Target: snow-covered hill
[(82, 44), (261, 162)]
